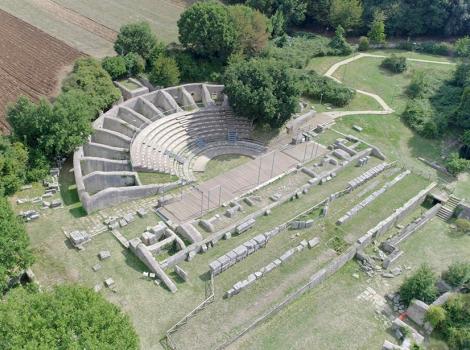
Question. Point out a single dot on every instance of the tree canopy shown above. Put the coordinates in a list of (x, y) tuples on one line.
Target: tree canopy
[(68, 317), (15, 254), (13, 166), (345, 13), (421, 285), (262, 90), (137, 38), (207, 29), (164, 72)]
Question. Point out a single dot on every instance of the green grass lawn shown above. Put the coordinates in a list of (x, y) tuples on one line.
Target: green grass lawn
[(148, 178), (360, 102)]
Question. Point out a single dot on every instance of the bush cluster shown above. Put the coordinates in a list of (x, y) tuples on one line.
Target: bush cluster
[(394, 64), (325, 89)]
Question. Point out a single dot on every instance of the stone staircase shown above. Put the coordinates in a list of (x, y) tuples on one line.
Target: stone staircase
[(447, 210)]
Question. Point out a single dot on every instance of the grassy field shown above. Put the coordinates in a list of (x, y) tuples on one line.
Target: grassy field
[(156, 178), (321, 315), (108, 15)]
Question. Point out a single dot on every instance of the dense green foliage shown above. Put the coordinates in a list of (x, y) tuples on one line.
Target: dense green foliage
[(462, 47), (345, 13), (251, 29), (435, 315), (89, 77), (68, 317), (421, 286), (456, 165), (137, 38), (194, 69), (262, 90), (394, 64), (13, 166), (457, 274), (363, 43), (453, 323), (377, 29), (421, 85), (165, 72), (293, 11), (207, 29), (325, 89), (297, 51), (419, 115), (339, 43), (15, 254), (115, 66), (135, 64)]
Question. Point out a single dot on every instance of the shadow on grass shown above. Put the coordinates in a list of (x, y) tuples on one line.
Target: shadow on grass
[(78, 212), (205, 277), (68, 189)]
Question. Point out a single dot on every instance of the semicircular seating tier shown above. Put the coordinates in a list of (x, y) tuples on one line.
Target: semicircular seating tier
[(172, 130)]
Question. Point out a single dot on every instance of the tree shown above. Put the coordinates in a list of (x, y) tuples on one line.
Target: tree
[(135, 37), (68, 317), (207, 29), (377, 29), (456, 165), (278, 24), (319, 10), (462, 114), (462, 47), (421, 285), (363, 43), (457, 274), (13, 166), (89, 77), (435, 315), (115, 66), (251, 27), (345, 13), (420, 116), (262, 90), (462, 75), (15, 254), (165, 72), (339, 43), (293, 11), (429, 17), (135, 64)]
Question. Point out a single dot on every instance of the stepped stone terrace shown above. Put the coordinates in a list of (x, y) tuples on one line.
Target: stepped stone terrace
[(174, 130)]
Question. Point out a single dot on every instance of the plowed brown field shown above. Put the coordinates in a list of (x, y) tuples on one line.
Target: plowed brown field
[(31, 62)]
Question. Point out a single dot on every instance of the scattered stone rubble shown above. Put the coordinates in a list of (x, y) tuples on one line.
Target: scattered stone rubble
[(78, 238), (30, 215)]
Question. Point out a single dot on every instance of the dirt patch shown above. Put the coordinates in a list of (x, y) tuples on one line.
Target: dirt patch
[(31, 63)]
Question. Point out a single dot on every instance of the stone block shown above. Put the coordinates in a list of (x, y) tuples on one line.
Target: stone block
[(313, 242), (149, 238), (215, 267), (104, 254), (109, 282), (141, 212), (181, 273), (286, 256), (245, 226)]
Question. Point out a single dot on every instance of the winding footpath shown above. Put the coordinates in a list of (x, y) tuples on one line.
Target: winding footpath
[(386, 109)]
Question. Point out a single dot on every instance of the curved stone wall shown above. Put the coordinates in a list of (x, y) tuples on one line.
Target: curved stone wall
[(161, 131)]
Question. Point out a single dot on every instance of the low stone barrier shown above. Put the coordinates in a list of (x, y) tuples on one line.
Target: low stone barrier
[(354, 210)]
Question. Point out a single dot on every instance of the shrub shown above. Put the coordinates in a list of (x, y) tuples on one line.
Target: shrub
[(420, 85), (456, 328), (435, 315), (462, 47), (406, 45), (194, 69), (420, 116), (13, 164), (455, 165), (457, 274), (463, 225), (325, 89), (394, 64), (15, 254), (165, 72), (363, 43), (443, 49), (421, 285), (115, 66), (339, 43), (461, 76), (135, 64)]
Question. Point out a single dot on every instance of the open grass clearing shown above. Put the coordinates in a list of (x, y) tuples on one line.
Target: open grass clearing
[(149, 178), (310, 319)]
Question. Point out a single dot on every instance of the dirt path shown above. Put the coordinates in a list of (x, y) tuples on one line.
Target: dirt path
[(78, 19), (386, 109)]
